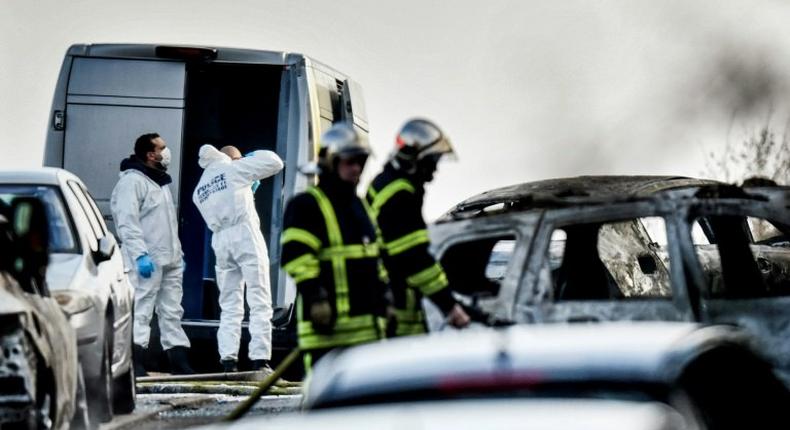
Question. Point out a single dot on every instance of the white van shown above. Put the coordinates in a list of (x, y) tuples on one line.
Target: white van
[(109, 94)]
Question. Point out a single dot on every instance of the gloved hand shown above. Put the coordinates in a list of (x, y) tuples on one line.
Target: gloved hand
[(457, 317), (321, 317), (255, 186), (145, 266), (392, 322)]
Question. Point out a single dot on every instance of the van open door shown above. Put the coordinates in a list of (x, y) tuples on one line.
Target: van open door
[(109, 103)]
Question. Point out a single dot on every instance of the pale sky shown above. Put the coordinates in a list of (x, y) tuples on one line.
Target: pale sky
[(525, 89)]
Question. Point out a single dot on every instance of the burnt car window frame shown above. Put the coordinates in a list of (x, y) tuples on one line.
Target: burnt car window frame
[(558, 218), (765, 210), (521, 225)]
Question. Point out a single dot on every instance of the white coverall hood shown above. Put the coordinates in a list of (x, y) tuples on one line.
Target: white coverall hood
[(225, 200), (209, 155)]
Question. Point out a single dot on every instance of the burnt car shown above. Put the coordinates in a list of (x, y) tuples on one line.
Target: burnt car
[(711, 375), (608, 248), (86, 276), (41, 382)]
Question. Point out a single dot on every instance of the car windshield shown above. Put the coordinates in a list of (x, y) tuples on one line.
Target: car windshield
[(61, 232)]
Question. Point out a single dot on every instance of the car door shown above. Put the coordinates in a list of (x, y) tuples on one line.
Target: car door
[(739, 255), (112, 101), (604, 263)]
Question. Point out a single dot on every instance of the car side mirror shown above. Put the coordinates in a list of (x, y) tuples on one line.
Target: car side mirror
[(31, 240), (105, 250)]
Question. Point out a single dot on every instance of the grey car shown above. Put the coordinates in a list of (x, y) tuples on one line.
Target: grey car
[(608, 248), (87, 278)]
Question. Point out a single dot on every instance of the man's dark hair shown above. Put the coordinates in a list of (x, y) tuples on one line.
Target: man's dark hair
[(144, 144)]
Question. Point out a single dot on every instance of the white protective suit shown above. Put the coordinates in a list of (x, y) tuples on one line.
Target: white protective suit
[(145, 219), (225, 200)]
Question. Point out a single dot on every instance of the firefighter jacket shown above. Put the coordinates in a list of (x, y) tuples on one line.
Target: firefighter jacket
[(396, 202), (330, 250)]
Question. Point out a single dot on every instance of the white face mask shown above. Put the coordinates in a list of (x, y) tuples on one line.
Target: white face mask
[(165, 161)]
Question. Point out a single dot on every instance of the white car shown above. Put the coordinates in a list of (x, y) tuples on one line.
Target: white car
[(501, 414), (86, 276)]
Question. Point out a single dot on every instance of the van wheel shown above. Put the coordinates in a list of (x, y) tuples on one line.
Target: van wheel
[(100, 405)]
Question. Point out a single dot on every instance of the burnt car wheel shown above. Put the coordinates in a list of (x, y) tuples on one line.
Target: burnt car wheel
[(100, 389)]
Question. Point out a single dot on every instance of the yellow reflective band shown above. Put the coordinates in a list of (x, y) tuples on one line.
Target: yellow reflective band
[(303, 267), (409, 316), (434, 286), (335, 240), (428, 281), (410, 329), (347, 331), (386, 193), (404, 243), (350, 252), (320, 341), (301, 236), (383, 275), (332, 227)]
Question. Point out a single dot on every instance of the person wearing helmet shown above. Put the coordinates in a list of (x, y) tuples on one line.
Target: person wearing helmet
[(396, 198), (330, 249)]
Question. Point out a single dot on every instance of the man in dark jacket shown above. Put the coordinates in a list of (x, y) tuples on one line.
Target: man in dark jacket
[(396, 198), (330, 249)]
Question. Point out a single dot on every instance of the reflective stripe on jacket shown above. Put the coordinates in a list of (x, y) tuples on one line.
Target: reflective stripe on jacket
[(325, 252), (396, 203)]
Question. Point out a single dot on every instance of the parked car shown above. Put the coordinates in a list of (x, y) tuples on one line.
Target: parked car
[(497, 414), (607, 248), (41, 384), (710, 374), (86, 276)]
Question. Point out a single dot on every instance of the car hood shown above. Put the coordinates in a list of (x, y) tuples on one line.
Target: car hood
[(61, 270)]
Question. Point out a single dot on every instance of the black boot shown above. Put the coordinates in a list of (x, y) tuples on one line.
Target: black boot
[(229, 366), (139, 355), (260, 366), (179, 364)]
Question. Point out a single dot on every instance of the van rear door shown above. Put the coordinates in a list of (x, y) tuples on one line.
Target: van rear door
[(109, 103)]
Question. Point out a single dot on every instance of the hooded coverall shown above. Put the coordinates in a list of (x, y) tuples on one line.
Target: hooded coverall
[(145, 219), (225, 200)]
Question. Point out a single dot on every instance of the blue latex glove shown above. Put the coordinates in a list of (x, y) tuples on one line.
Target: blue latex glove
[(257, 183), (145, 266)]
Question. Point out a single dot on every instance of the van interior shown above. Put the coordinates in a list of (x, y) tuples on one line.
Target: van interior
[(225, 104)]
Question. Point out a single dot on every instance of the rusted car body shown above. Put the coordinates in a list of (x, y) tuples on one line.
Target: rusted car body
[(610, 248)]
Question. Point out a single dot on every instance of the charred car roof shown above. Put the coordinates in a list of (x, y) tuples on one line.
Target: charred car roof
[(587, 190)]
